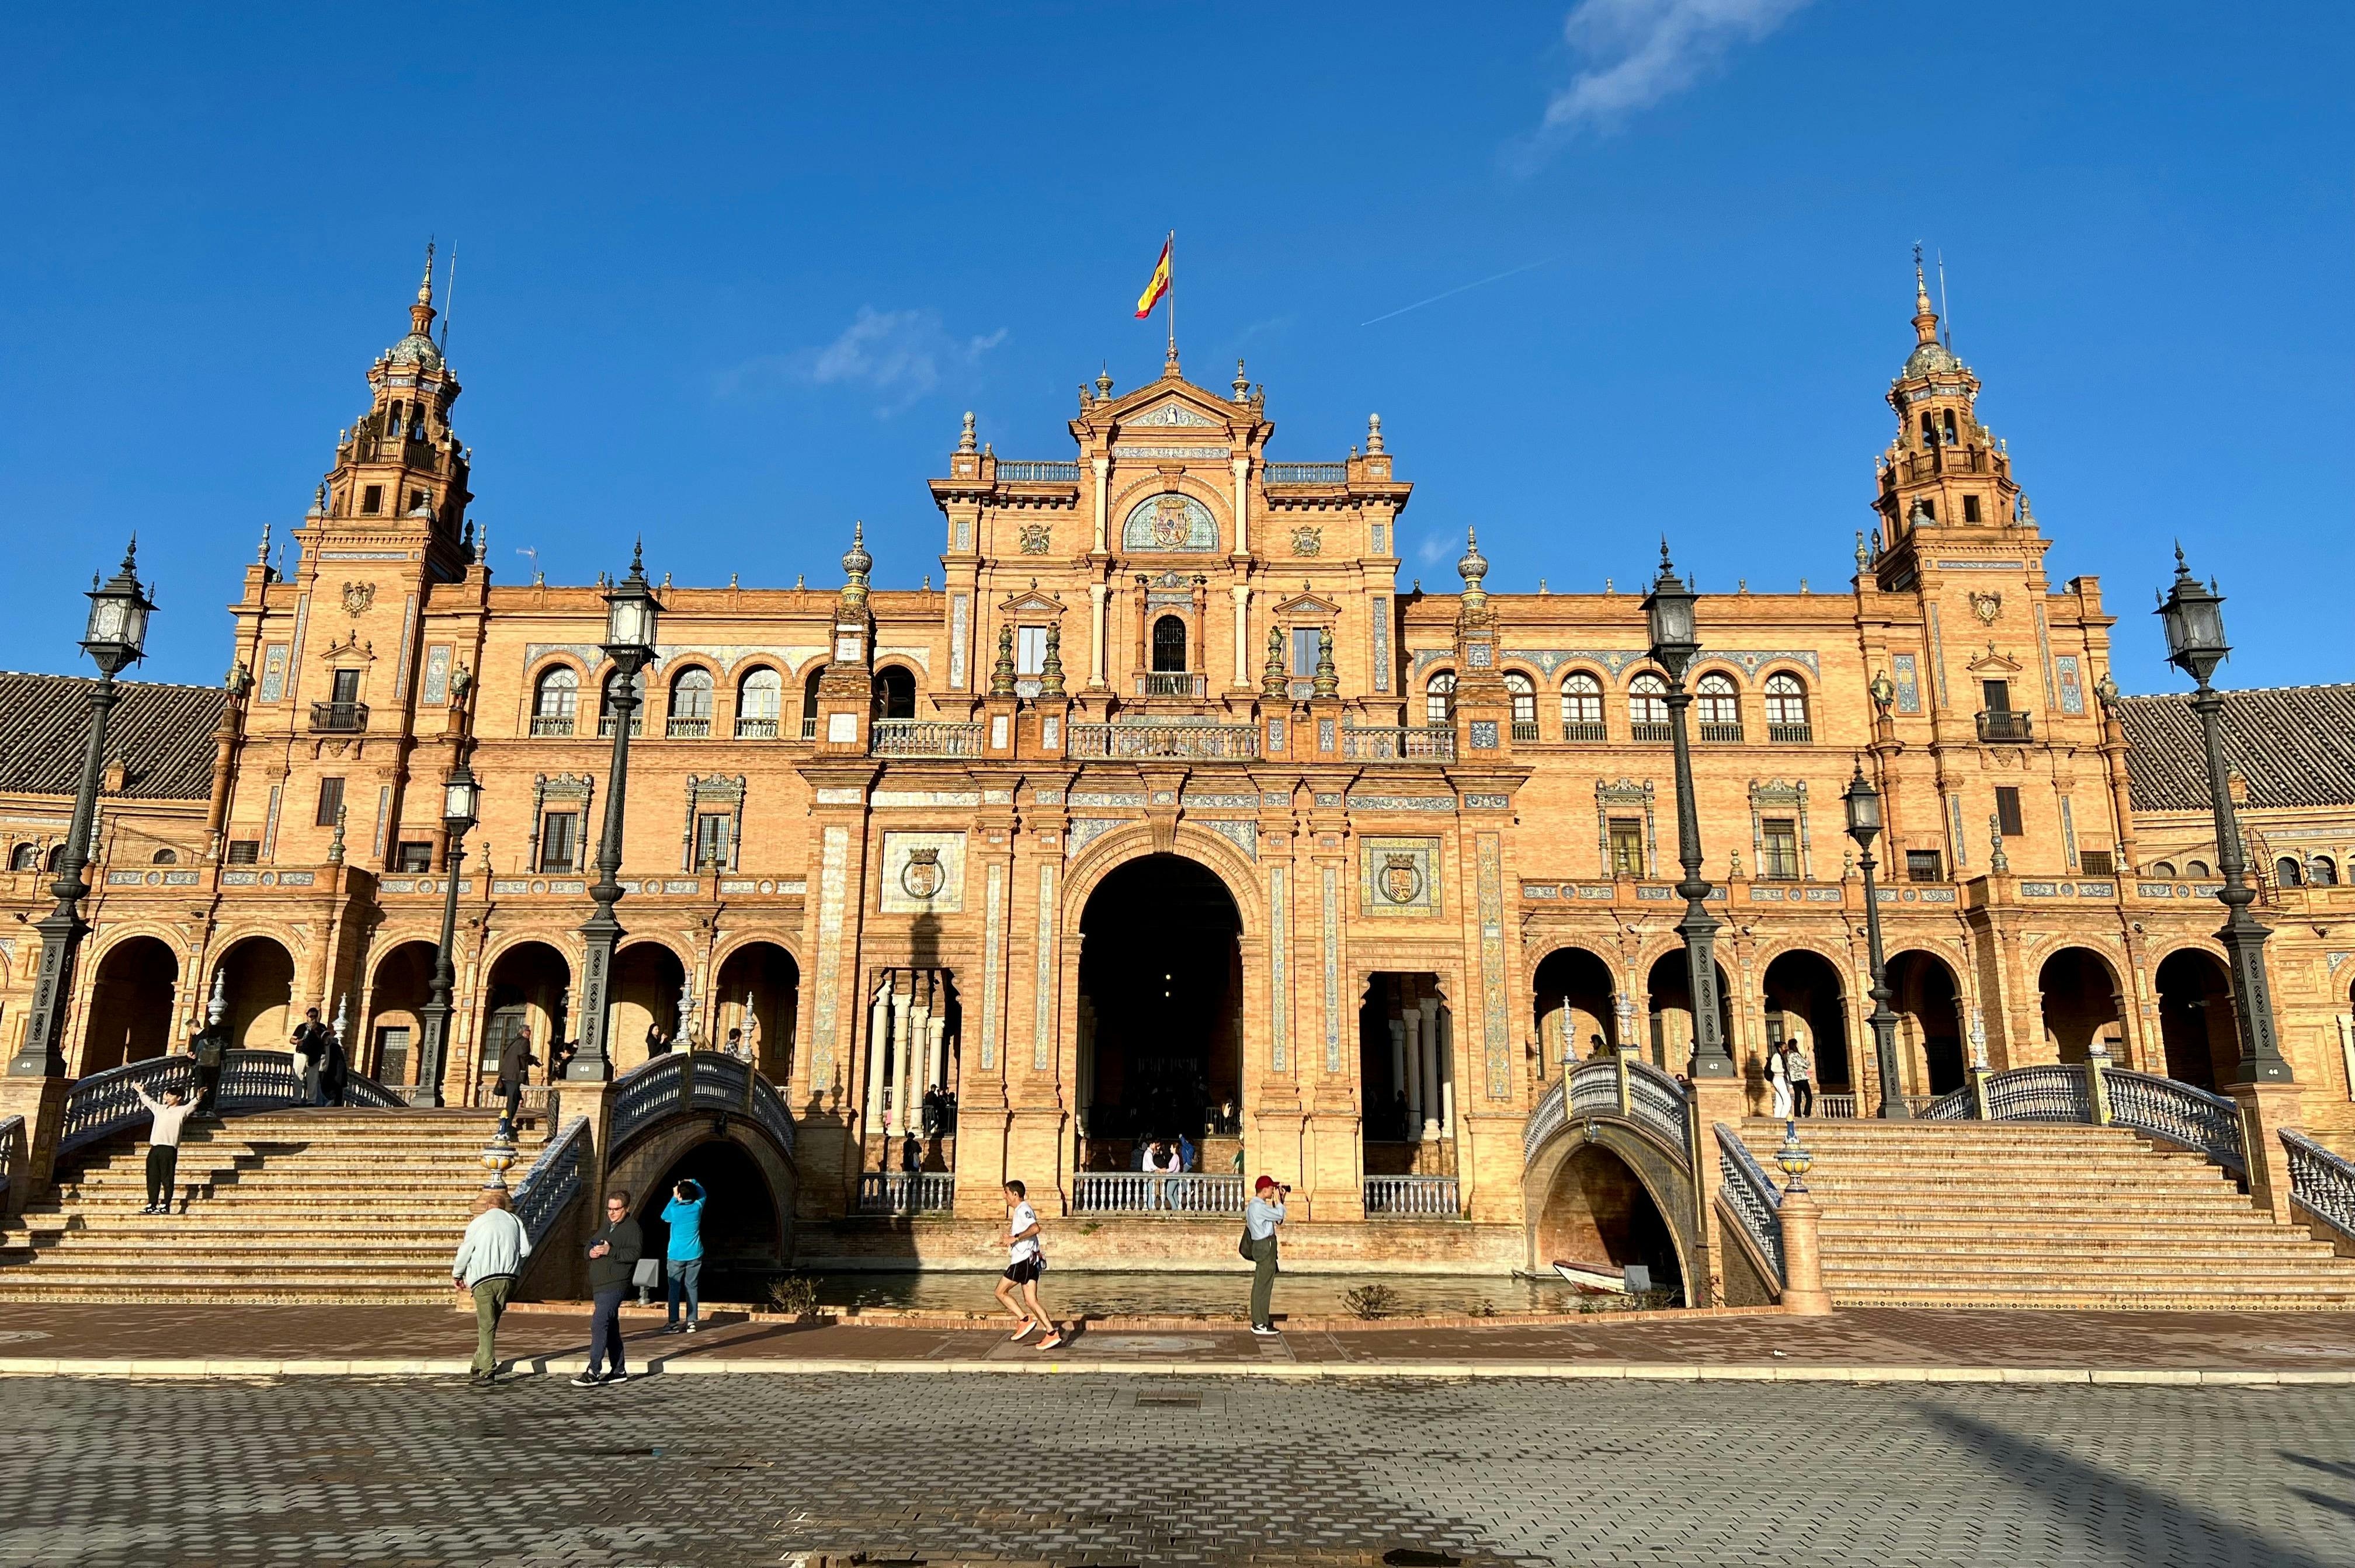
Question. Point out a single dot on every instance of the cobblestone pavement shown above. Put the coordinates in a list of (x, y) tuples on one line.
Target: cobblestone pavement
[(1110, 1469)]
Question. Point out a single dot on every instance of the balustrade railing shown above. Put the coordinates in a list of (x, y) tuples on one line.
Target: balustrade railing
[(1791, 734), (924, 738), (1549, 1117), (1412, 1197), (1027, 473), (1525, 729), (900, 1192), (2179, 1112), (2321, 1182), (1233, 742), (339, 718), (1719, 732), (2049, 1092), (1397, 744), (1847, 1104), (12, 1152), (551, 724), (687, 729), (637, 725), (553, 1181), (1306, 473), (1142, 1192), (106, 1103), (756, 729), (1647, 730), (1750, 1196), (1584, 730), (1654, 1098), (689, 1081), (1169, 683)]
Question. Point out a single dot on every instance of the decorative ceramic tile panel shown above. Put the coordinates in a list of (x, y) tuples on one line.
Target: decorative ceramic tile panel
[(1332, 968), (2073, 684), (1498, 1043), (1279, 929), (1042, 1003), (992, 959), (435, 692), (1909, 683), (834, 866), (923, 873)]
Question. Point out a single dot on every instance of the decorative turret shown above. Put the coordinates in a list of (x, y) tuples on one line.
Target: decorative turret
[(1943, 469), (855, 564), (1472, 567)]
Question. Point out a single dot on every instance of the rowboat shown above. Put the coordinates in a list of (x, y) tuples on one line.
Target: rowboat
[(1604, 1279)]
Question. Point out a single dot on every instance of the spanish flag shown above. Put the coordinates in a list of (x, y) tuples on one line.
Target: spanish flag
[(1160, 283)]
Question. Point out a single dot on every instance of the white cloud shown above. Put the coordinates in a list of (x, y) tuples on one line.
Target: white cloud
[(1435, 548), (1637, 52), (901, 356)]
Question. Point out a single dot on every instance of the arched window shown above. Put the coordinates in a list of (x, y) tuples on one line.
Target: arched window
[(1950, 429), (2196, 869), (57, 858), (2288, 871), (760, 701), (24, 857), (2323, 871), (1524, 693), (690, 705), (1439, 698), (809, 703), (1647, 707), (2164, 869), (167, 858), (1169, 645), (1720, 706), (609, 697), (1787, 709), (895, 692), (554, 700), (1581, 707)]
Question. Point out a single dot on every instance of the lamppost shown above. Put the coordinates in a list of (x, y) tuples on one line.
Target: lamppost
[(1668, 610), (631, 613), (461, 800), (116, 636), (2194, 619), (1864, 803)]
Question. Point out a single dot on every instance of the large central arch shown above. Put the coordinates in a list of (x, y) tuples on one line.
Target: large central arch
[(1160, 1000)]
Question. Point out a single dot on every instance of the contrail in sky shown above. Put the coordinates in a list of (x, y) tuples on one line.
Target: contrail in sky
[(1461, 288)]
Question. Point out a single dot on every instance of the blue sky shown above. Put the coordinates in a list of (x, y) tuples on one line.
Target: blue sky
[(730, 280)]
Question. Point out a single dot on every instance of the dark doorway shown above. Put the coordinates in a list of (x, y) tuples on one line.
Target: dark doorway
[(2080, 1004), (743, 1244), (527, 998), (760, 993), (1929, 1023), (1575, 1006), (396, 1031), (130, 1004), (1804, 1003), (1161, 1010), (1168, 646), (2196, 1023), (895, 693), (261, 992)]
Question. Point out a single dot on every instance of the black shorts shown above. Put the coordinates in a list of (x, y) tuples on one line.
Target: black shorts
[(1025, 1272)]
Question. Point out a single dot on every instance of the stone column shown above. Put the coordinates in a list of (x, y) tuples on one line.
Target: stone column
[(1241, 466), (1803, 1263), (1242, 590), (1447, 1072), (2265, 1109), (903, 1057), (1411, 1016), (1430, 1106), (1098, 593), (1103, 501), (879, 1029)]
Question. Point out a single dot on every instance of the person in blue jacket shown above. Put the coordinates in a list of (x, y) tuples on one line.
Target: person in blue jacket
[(683, 1259)]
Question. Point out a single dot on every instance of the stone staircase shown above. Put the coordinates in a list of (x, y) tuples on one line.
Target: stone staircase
[(297, 1206), (2026, 1215)]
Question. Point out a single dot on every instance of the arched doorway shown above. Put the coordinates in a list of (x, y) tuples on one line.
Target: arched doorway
[(1668, 996), (1597, 1210), (1575, 995), (260, 995), (1160, 1011), (895, 692), (760, 993), (527, 998), (2080, 1004), (2196, 1022), (131, 1001), (744, 1233), (648, 983), (1406, 1060), (1804, 1003), (1928, 1005), (390, 1050)]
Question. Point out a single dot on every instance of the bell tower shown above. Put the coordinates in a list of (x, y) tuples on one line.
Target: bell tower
[(400, 472), (1944, 471)]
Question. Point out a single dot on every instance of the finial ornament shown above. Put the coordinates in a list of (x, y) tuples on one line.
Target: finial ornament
[(425, 288), (1241, 383), (1472, 566), (1272, 683), (1327, 680), (335, 844), (1104, 383), (1863, 554), (1997, 861), (638, 557), (1050, 668), (1373, 435), (262, 557), (1001, 673), (965, 441)]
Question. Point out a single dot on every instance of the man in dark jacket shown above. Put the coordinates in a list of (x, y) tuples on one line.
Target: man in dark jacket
[(612, 1258), (516, 1063), (334, 1069), (310, 1045), (209, 1050)]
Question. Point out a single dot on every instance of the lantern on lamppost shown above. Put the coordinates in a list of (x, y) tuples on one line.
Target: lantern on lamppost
[(2192, 614), (1668, 612), (632, 616), (114, 636), (1863, 803)]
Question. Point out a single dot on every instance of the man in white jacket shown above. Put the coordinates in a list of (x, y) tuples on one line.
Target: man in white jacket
[(162, 1147), (489, 1258)]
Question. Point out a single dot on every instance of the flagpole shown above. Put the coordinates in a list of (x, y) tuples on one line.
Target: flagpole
[(1170, 295)]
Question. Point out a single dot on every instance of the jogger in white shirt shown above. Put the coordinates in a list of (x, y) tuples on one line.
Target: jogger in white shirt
[(1018, 1291)]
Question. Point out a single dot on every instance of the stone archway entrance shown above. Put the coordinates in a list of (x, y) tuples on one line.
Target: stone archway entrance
[(649, 983), (1596, 1209), (2081, 1001), (1160, 1013), (760, 993), (526, 997), (2196, 1024), (395, 1037), (130, 1004), (1576, 1003), (1804, 1004), (260, 995), (744, 1236)]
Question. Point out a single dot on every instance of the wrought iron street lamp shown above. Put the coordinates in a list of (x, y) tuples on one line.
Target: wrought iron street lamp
[(1864, 803), (1668, 610), (631, 612), (2193, 617), (116, 636), (462, 801)]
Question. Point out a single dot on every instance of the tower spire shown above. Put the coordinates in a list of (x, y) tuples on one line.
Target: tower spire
[(420, 315), (1925, 320)]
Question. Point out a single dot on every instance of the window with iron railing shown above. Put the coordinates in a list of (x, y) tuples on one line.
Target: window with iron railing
[(690, 706), (560, 842), (555, 700), (1582, 709), (1648, 707), (413, 855), (1925, 866), (760, 700), (1787, 721), (2097, 863)]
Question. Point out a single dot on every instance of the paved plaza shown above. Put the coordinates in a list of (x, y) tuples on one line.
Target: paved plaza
[(1107, 1469)]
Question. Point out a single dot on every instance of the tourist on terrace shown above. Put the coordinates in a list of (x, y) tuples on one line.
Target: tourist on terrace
[(335, 1070), (208, 1051), (310, 1044), (163, 1148), (683, 1258), (657, 1043), (1778, 1082), (612, 1258), (1800, 1068), (1259, 1221), (1018, 1291), (489, 1258)]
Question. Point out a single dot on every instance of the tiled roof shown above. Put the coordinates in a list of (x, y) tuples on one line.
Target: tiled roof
[(162, 734), (2294, 744)]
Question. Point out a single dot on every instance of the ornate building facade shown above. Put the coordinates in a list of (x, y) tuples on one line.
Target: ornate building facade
[(1170, 810)]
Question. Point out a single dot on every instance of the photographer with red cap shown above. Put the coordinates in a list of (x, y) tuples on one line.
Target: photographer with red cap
[(1259, 1221)]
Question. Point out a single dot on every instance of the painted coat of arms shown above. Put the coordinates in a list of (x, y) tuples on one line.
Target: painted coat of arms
[(1986, 607), (1169, 521), (922, 877), (357, 597), (1402, 879), (1036, 537)]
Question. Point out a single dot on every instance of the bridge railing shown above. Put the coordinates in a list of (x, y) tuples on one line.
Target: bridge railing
[(2320, 1182), (106, 1103), (12, 1155), (1752, 1197), (1620, 1085), (1143, 1192), (2179, 1112), (553, 1181), (687, 1081)]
